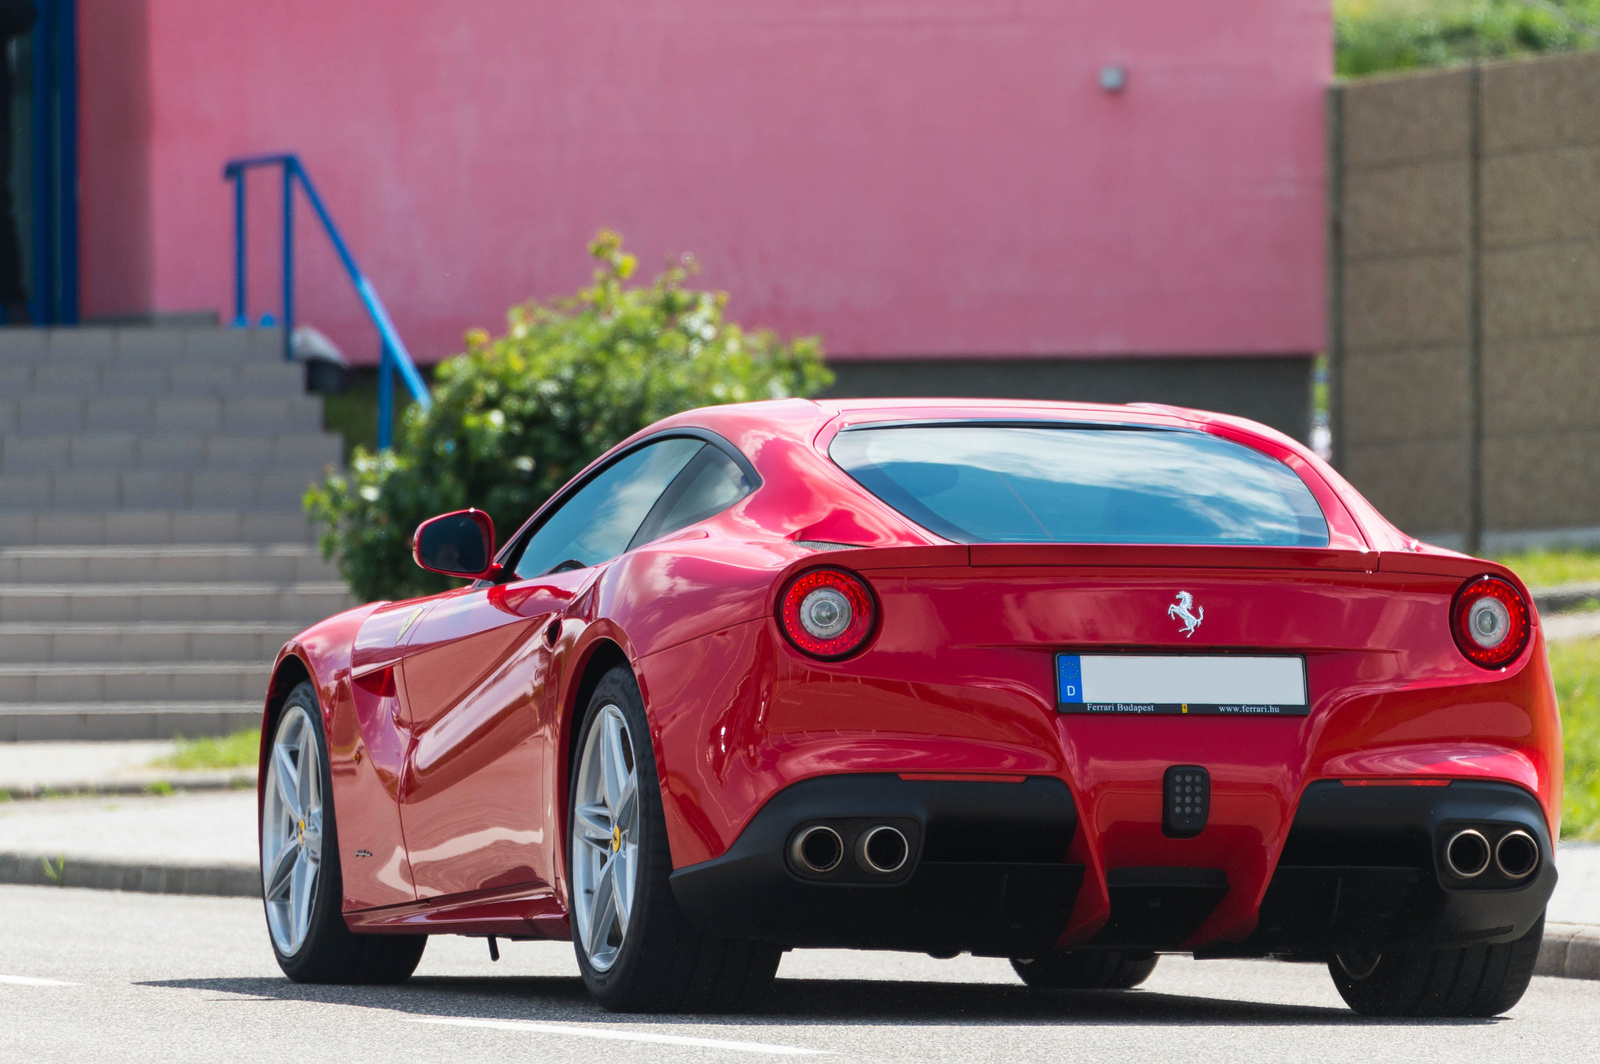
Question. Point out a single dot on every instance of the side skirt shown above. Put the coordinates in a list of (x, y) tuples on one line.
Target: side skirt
[(525, 911)]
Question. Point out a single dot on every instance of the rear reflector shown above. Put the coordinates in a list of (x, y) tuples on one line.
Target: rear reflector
[(1396, 783), (961, 777)]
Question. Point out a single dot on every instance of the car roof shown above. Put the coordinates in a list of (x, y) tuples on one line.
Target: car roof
[(799, 420)]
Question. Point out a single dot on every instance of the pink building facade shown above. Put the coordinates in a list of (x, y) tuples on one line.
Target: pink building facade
[(938, 188)]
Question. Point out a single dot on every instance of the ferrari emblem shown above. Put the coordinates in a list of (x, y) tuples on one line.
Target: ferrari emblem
[(1184, 612), (301, 830), (616, 839)]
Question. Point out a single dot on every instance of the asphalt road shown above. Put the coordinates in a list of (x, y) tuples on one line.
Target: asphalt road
[(91, 976)]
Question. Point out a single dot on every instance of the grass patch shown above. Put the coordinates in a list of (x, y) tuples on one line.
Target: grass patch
[(1546, 568), (239, 750), (1576, 667)]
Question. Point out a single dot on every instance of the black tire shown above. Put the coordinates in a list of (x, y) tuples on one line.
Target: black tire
[(331, 952), (1078, 969), (1472, 981), (664, 963)]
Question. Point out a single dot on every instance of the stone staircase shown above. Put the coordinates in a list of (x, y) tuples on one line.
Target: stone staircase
[(153, 553)]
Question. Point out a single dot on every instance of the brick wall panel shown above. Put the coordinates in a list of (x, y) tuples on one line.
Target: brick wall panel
[(1418, 207), (1540, 385), (1543, 480), (1410, 394), (1405, 118), (1408, 302), (1531, 197), (1537, 103), (1546, 290)]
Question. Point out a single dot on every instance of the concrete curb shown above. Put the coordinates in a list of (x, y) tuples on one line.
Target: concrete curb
[(222, 880), (1563, 597), (238, 780), (1571, 951)]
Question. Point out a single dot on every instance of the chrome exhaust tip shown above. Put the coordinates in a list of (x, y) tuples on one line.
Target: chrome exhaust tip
[(883, 850), (1467, 854), (817, 849), (1516, 855)]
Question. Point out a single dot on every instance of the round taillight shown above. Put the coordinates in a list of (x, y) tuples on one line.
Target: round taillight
[(1490, 621), (827, 613)]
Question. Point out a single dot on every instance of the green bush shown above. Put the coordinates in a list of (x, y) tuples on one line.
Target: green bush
[(1380, 35), (517, 415)]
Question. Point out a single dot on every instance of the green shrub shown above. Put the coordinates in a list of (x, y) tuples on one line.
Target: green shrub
[(1373, 36), (516, 416)]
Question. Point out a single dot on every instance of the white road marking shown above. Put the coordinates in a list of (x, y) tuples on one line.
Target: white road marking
[(28, 980), (620, 1036)]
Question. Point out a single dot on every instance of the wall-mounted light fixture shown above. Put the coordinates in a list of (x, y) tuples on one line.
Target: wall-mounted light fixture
[(1113, 77)]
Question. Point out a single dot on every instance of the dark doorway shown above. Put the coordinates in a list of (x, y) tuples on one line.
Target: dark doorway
[(43, 177)]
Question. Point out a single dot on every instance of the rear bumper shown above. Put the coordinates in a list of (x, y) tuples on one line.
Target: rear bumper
[(988, 871), (1363, 867)]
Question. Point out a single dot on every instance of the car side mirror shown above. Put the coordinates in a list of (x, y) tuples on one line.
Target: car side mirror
[(459, 544)]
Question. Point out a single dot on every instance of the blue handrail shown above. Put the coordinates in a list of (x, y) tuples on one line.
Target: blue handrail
[(393, 357)]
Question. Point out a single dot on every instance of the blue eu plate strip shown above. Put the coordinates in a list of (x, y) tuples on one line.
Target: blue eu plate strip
[(1069, 679)]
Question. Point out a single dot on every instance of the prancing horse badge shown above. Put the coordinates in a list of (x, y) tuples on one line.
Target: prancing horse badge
[(1183, 610)]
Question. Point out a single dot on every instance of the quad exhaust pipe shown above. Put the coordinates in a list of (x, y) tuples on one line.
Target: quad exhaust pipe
[(1467, 854), (883, 850), (817, 849), (1516, 855), (880, 850)]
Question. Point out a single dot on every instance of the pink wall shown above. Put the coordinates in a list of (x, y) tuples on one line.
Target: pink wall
[(905, 177)]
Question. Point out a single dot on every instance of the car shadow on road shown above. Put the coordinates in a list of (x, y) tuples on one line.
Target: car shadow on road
[(804, 1002)]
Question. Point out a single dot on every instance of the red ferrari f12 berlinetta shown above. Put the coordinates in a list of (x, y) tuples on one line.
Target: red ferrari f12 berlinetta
[(1069, 684)]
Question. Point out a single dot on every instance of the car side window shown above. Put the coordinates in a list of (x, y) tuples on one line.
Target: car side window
[(598, 522), (709, 484)]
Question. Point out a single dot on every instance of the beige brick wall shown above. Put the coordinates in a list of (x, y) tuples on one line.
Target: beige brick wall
[(1407, 241)]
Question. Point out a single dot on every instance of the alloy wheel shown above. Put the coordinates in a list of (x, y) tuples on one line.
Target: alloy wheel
[(291, 830), (605, 848)]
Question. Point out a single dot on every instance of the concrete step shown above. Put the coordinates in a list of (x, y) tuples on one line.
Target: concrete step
[(189, 452), (140, 527), (271, 563), (107, 721), (50, 415), (293, 603), (63, 642), (128, 683), (180, 379), (84, 492), (135, 345)]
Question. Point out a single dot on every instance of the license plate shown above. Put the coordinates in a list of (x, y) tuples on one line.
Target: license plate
[(1225, 685)]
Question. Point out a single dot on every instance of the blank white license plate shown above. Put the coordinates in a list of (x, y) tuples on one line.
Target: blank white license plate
[(1177, 684)]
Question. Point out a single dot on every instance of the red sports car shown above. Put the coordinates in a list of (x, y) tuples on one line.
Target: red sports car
[(1070, 684)]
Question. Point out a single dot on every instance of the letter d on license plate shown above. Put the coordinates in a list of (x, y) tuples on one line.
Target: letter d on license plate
[(1182, 684)]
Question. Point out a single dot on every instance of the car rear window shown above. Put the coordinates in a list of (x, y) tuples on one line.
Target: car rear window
[(978, 483)]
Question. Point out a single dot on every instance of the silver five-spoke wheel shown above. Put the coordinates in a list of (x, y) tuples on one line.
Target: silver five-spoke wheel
[(606, 844), (291, 830)]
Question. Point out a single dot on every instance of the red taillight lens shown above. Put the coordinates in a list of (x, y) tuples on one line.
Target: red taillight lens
[(828, 613), (1490, 621)]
